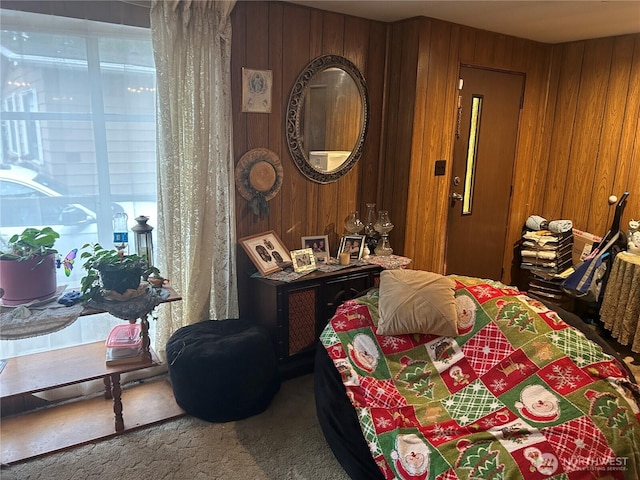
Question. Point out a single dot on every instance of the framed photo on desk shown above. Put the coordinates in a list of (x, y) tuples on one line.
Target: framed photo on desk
[(266, 251), (320, 246), (353, 245)]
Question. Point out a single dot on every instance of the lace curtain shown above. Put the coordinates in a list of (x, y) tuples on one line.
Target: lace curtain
[(192, 50)]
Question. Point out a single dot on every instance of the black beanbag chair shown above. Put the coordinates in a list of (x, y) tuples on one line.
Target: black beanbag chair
[(222, 370)]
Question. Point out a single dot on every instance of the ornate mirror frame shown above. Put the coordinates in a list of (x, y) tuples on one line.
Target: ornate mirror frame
[(294, 113)]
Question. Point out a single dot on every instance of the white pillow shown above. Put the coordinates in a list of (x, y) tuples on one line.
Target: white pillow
[(414, 301)]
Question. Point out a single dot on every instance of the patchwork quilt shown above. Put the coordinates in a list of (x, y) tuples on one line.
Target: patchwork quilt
[(518, 394)]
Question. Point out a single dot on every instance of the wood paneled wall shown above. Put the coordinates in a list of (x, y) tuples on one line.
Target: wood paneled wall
[(284, 38), (594, 133), (578, 140), (432, 53)]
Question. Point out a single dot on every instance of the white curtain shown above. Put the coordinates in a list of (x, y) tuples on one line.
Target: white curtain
[(192, 50)]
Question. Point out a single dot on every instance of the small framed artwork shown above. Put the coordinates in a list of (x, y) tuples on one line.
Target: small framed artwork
[(266, 251), (319, 245), (352, 244), (303, 260), (256, 90)]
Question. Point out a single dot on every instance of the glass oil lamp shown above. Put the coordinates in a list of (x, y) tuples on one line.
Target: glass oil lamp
[(352, 223), (383, 226)]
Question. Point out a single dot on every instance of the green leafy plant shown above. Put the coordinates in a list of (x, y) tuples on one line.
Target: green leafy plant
[(100, 262), (32, 242)]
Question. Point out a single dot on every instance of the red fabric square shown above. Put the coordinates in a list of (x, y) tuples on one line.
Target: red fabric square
[(564, 376), (487, 348), (537, 462), (579, 444), (509, 373), (351, 316), (385, 420), (458, 376)]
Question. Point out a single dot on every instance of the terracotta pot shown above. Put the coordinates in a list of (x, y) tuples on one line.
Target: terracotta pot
[(29, 280)]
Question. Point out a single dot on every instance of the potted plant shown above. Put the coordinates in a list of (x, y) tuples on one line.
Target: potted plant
[(28, 266), (111, 270)]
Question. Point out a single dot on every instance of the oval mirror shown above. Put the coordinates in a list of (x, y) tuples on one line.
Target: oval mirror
[(327, 118)]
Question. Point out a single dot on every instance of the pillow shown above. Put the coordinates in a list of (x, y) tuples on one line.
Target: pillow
[(414, 301)]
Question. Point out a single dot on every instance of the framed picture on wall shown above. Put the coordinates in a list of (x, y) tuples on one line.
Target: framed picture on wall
[(303, 260), (353, 244), (256, 90), (266, 251), (319, 244)]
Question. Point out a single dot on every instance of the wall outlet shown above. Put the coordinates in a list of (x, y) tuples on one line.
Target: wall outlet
[(440, 168)]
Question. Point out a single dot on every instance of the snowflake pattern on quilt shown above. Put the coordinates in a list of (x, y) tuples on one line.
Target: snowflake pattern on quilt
[(519, 395)]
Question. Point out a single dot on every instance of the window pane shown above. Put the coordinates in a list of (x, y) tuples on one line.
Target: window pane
[(472, 154), (77, 138)]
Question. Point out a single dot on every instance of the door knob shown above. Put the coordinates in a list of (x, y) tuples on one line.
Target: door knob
[(456, 197)]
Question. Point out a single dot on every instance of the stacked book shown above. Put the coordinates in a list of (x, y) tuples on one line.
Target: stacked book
[(547, 256), (124, 345)]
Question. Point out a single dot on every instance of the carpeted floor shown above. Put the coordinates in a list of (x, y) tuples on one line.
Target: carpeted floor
[(283, 443)]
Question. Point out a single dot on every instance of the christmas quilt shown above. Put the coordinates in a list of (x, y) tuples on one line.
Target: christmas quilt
[(517, 394)]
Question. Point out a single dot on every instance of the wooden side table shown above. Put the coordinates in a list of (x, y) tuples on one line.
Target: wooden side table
[(39, 372), (620, 310), (44, 371)]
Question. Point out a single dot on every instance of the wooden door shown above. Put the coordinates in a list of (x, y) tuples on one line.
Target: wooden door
[(484, 153)]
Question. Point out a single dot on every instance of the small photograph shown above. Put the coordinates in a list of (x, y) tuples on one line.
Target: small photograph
[(303, 260), (266, 251), (353, 245), (319, 244)]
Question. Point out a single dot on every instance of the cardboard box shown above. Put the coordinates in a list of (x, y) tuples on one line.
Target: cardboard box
[(582, 245)]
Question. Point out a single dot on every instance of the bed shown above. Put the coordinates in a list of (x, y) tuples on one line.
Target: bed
[(515, 392)]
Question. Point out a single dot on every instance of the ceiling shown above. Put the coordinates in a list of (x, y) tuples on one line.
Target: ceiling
[(544, 21)]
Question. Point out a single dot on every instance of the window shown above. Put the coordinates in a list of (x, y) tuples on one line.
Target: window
[(77, 139)]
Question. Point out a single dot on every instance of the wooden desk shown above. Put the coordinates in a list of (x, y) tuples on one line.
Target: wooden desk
[(620, 311), (296, 312)]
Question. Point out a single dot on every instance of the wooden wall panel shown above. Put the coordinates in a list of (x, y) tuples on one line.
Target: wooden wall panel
[(594, 150), (402, 61), (437, 100), (443, 48), (577, 140), (577, 143), (284, 38), (372, 155), (588, 121), (562, 112), (615, 99), (628, 160)]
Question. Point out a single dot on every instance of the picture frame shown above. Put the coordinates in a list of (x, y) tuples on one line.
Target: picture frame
[(303, 260), (354, 244), (266, 251), (319, 244), (256, 90)]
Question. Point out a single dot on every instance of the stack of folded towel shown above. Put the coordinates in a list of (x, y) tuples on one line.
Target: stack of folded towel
[(547, 245), (545, 249)]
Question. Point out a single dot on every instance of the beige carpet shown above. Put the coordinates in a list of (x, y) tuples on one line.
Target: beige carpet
[(283, 443)]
